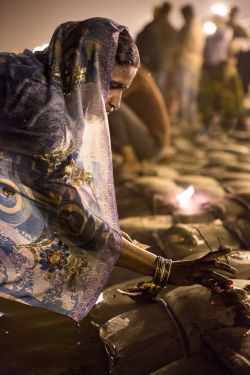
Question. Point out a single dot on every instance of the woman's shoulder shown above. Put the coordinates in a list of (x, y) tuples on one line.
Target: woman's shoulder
[(21, 81), (21, 65), (27, 107)]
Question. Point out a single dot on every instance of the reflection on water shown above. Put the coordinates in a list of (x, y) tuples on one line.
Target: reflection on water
[(34, 341)]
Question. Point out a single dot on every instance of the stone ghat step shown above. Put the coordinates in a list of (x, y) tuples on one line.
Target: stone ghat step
[(142, 337)]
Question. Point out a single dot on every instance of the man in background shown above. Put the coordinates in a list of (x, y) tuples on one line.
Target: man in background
[(157, 46), (188, 65)]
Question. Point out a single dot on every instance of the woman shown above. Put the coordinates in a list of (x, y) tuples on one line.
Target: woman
[(59, 230)]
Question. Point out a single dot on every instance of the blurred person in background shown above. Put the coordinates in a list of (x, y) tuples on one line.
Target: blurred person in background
[(221, 97), (221, 91), (243, 64), (140, 130), (217, 46), (157, 44), (188, 66), (240, 46), (238, 30)]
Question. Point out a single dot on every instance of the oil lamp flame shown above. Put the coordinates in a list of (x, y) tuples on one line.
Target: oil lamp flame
[(99, 299), (184, 198)]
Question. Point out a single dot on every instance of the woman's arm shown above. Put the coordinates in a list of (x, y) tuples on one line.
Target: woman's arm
[(183, 272), (86, 230), (136, 259)]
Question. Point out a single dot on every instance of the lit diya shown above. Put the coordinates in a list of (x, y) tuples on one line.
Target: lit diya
[(142, 292)]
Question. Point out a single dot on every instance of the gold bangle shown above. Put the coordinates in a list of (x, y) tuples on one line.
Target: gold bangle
[(162, 271)]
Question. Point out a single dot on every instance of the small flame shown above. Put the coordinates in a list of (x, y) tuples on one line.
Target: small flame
[(99, 299), (184, 198)]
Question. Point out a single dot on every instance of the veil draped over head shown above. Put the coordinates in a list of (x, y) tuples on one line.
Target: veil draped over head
[(59, 232)]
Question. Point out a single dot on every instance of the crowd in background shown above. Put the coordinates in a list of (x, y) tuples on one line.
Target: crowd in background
[(187, 79)]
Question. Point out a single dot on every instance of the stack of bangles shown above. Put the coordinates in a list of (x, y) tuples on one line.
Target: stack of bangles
[(162, 271)]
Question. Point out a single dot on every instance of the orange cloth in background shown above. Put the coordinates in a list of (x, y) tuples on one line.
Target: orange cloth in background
[(145, 99)]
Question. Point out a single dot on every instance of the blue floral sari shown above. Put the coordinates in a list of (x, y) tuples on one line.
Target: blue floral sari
[(59, 233)]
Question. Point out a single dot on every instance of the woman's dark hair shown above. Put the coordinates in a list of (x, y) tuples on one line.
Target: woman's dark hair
[(127, 52)]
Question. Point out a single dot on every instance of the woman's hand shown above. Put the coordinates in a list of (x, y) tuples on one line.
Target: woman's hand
[(202, 271), (183, 272)]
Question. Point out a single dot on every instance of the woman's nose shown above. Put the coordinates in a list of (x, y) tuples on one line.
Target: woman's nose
[(116, 100)]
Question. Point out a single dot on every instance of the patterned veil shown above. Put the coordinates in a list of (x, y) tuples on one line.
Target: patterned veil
[(59, 232)]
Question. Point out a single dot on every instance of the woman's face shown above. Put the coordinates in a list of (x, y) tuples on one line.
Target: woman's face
[(122, 77)]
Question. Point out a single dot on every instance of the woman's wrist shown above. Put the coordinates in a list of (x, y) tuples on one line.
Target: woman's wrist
[(137, 259), (162, 271)]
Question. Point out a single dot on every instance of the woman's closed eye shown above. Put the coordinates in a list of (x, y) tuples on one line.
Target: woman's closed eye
[(117, 86)]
